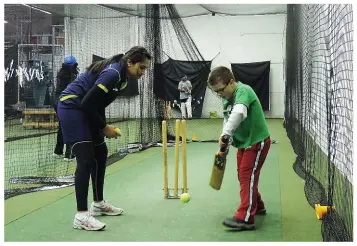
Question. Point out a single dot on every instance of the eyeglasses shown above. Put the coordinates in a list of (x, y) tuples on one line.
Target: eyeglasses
[(219, 90)]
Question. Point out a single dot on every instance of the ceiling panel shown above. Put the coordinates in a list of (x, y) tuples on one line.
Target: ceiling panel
[(95, 11)]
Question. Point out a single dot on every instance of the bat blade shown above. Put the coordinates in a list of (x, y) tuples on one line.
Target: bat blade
[(217, 174), (219, 166)]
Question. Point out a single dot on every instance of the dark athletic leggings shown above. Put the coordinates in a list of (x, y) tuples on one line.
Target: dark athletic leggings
[(91, 162)]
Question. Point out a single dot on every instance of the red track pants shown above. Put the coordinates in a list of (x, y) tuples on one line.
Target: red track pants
[(249, 164)]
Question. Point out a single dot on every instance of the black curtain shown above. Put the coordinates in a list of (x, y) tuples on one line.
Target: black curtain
[(11, 83), (256, 75), (168, 75), (130, 90)]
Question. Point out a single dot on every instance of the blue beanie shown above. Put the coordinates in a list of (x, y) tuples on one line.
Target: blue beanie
[(70, 60)]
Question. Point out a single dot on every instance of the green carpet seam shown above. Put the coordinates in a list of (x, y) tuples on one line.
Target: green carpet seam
[(40, 208)]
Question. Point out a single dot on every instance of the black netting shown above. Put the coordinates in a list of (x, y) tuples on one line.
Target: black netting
[(30, 120), (318, 100), (34, 52), (318, 109)]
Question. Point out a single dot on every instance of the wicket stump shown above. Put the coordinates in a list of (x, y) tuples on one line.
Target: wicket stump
[(179, 128)]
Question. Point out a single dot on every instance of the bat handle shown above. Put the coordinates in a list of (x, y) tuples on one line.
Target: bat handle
[(225, 139)]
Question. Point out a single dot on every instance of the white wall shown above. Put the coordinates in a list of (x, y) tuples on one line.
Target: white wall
[(235, 39), (242, 40)]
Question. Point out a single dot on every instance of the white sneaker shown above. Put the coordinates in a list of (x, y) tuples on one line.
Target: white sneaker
[(87, 222), (57, 156), (104, 208)]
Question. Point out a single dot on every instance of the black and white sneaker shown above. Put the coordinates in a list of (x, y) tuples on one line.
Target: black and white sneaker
[(234, 223)]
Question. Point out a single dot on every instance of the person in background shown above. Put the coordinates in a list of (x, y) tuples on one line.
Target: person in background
[(65, 76), (185, 88)]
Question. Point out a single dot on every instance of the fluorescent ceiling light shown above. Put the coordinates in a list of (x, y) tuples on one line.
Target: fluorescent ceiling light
[(37, 9)]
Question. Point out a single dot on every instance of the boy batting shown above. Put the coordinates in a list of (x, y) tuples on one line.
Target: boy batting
[(245, 124)]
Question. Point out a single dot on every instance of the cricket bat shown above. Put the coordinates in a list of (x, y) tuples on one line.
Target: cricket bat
[(219, 165)]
